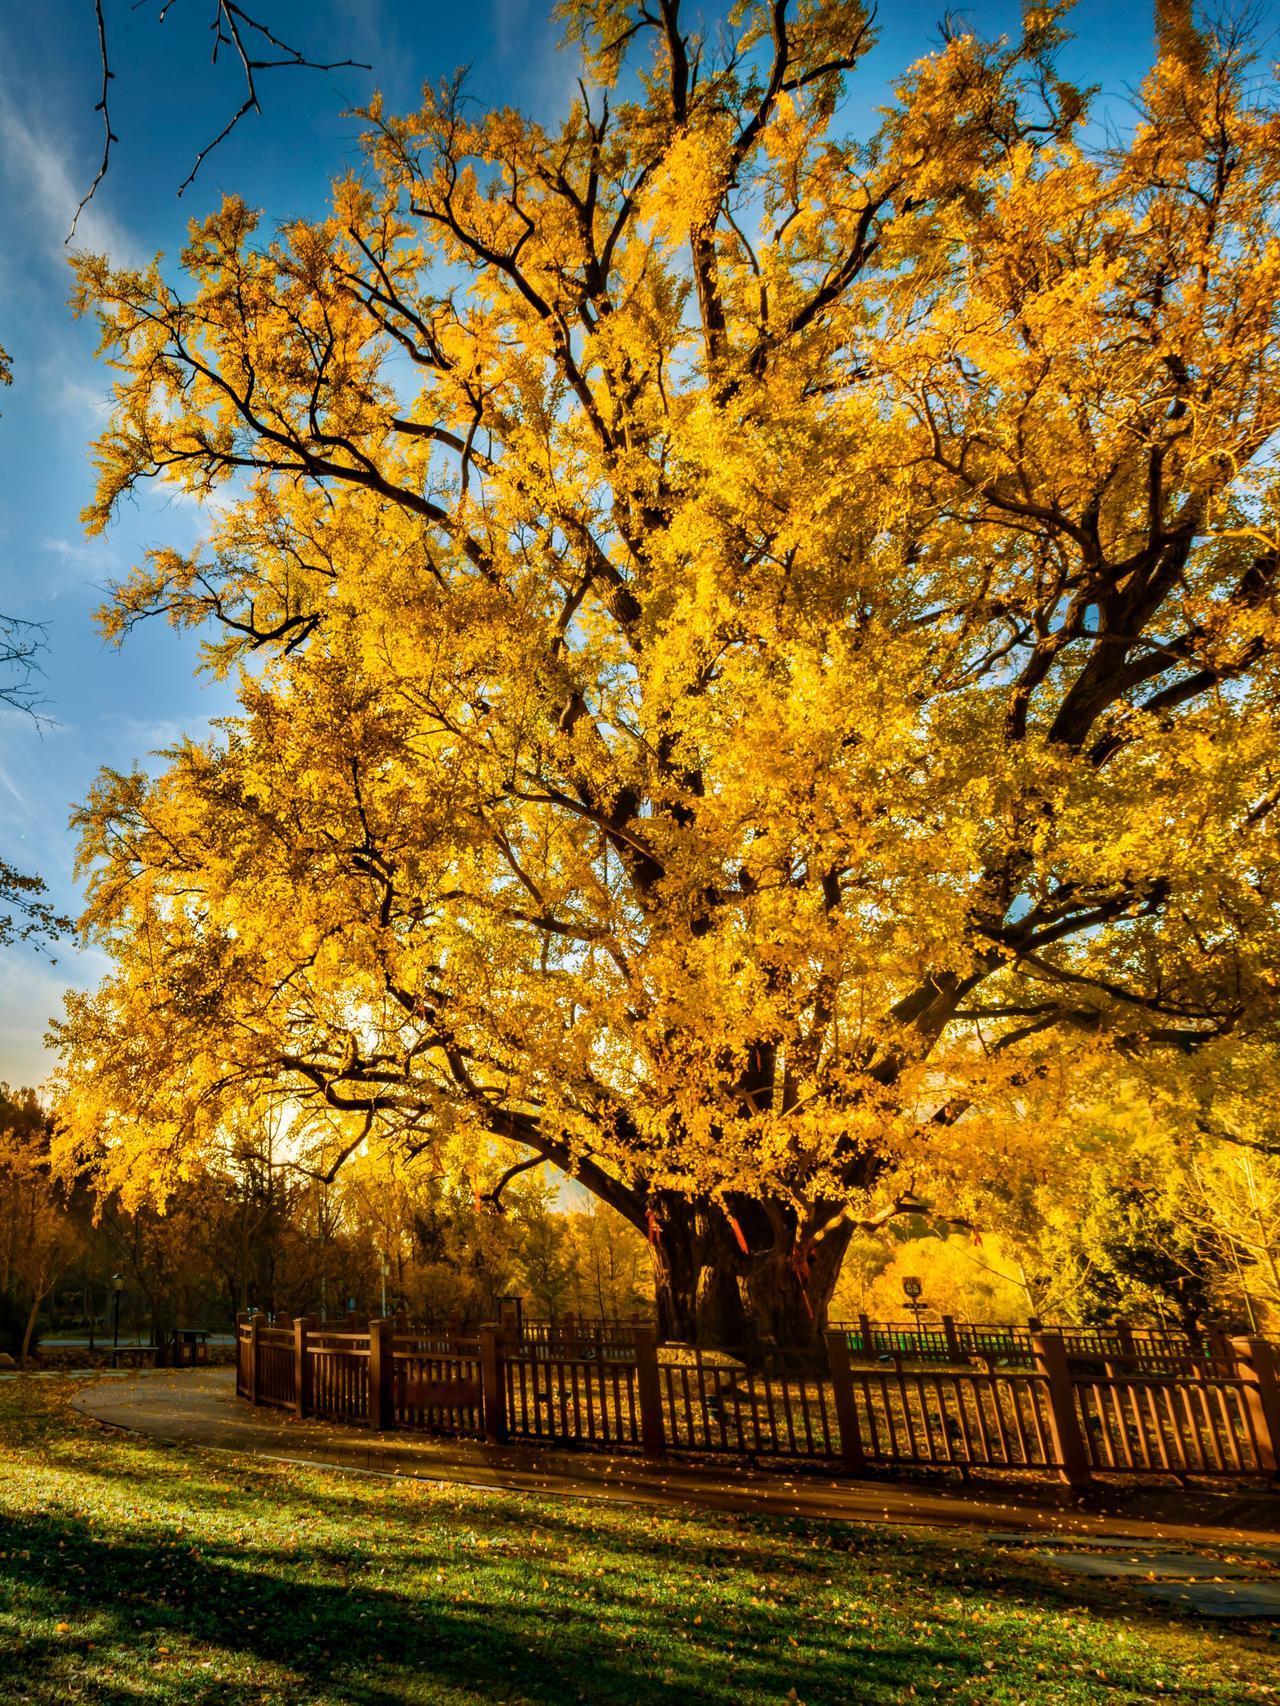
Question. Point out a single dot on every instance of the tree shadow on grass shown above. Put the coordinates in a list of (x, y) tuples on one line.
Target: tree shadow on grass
[(514, 1620), (374, 1645)]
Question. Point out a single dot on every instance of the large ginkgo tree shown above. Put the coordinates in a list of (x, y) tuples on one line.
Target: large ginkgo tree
[(756, 650)]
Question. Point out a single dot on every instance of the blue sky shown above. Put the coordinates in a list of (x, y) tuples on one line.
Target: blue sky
[(114, 708)]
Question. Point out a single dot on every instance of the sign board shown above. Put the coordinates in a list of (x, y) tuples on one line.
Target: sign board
[(912, 1287)]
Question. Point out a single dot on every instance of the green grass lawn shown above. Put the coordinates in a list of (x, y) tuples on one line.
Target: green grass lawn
[(134, 1572)]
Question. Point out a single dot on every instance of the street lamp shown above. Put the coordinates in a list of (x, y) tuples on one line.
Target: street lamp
[(383, 1260), (118, 1286)]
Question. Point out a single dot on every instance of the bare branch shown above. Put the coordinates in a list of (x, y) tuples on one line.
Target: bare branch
[(109, 135), (233, 28)]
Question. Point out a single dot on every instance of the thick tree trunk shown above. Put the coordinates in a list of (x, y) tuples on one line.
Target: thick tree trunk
[(673, 1249), (755, 1283), (789, 1288)]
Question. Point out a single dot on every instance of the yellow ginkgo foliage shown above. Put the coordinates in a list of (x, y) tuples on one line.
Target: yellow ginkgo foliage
[(756, 649)]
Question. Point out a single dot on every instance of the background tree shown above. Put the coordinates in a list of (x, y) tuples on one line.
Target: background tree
[(967, 1276), (611, 1273), (756, 649), (39, 1237), (1129, 1251)]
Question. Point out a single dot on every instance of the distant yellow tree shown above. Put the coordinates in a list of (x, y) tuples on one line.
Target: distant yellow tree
[(756, 649), (39, 1238)]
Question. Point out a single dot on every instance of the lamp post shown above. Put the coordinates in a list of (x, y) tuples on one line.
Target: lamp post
[(118, 1286), (383, 1260)]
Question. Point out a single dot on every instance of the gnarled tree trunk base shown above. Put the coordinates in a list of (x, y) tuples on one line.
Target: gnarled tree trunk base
[(750, 1283)]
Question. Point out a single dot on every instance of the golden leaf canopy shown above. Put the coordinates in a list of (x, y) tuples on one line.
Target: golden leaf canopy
[(755, 648)]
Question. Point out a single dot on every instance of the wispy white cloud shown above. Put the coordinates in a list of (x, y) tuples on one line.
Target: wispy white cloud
[(10, 787), (49, 187), (526, 36), (71, 396), (85, 551), (140, 737), (61, 566), (364, 30)]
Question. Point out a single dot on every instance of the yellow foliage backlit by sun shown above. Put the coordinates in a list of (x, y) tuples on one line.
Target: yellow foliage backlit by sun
[(755, 649)]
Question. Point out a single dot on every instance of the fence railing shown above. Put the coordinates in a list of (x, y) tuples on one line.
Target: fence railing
[(1073, 1413), (948, 1341)]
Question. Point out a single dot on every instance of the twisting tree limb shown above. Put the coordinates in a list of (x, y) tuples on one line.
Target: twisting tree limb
[(495, 1195)]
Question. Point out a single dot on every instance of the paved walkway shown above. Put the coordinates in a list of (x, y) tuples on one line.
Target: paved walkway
[(200, 1408)]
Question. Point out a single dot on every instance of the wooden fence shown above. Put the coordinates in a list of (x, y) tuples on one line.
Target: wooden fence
[(1162, 1349), (1075, 1412)]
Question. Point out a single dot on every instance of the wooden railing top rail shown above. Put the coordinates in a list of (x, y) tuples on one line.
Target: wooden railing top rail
[(1116, 1336)]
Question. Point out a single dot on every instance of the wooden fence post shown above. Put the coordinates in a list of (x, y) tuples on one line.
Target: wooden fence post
[(952, 1337), (866, 1335), (1256, 1366), (493, 1383), (653, 1433), (301, 1367), (1124, 1332), (1064, 1427), (851, 1453), (255, 1346), (381, 1375)]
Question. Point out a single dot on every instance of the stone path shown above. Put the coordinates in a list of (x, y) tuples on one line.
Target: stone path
[(200, 1408), (1182, 1566), (1251, 1600), (1245, 1583)]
